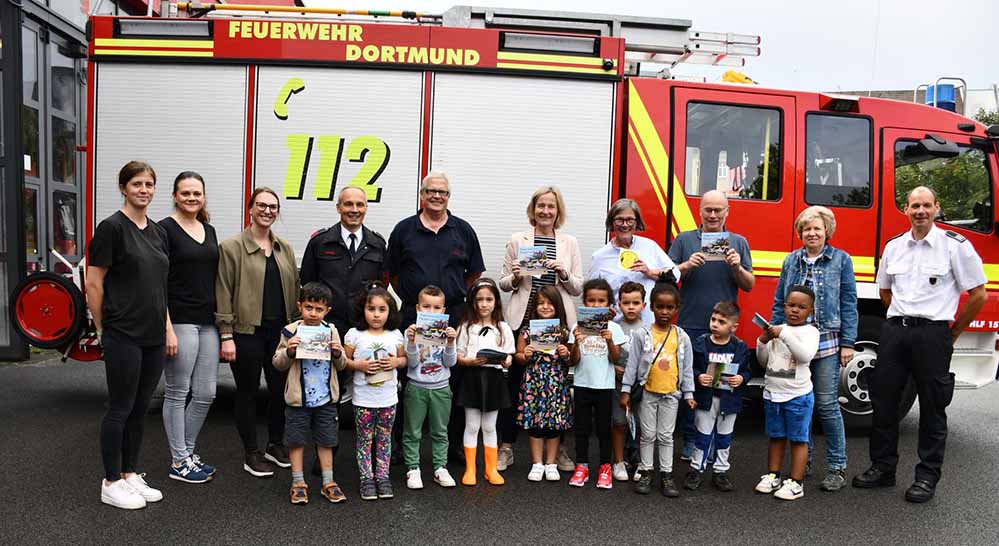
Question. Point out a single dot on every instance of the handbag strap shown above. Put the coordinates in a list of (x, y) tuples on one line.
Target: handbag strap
[(663, 344)]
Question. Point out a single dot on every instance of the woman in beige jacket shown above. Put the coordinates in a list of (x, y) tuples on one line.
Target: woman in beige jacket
[(546, 213), (255, 295)]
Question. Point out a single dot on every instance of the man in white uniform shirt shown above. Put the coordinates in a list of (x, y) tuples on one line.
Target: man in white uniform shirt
[(921, 277)]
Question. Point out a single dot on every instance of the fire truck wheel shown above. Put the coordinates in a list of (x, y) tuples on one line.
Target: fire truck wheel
[(48, 310), (854, 394)]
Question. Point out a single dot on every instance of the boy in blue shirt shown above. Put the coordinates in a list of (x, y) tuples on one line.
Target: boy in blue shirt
[(721, 368), (593, 386), (311, 394)]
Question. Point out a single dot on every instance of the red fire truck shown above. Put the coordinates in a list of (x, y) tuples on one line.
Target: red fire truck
[(307, 101)]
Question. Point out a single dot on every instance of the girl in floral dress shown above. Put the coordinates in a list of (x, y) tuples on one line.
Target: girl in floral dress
[(544, 408)]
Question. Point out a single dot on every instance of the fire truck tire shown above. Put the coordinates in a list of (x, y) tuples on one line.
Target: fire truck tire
[(854, 395), (48, 310)]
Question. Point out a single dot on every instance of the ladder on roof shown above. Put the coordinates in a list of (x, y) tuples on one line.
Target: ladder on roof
[(655, 41), (651, 40)]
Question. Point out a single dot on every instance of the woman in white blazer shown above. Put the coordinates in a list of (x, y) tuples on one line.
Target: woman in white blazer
[(546, 214)]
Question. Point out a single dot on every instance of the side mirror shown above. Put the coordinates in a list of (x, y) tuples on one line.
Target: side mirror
[(938, 146), (993, 131)]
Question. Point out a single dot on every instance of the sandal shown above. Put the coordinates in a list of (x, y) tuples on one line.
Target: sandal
[(299, 493), (333, 493)]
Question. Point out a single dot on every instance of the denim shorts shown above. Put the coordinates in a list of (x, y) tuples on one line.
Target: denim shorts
[(791, 419), (303, 426)]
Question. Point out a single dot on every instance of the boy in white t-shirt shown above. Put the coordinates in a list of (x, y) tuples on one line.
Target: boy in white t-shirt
[(788, 401)]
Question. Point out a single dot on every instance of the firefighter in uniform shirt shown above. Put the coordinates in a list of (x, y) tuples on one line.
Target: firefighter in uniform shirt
[(921, 276)]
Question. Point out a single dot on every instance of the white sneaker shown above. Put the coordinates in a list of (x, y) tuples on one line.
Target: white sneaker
[(790, 490), (140, 486), (443, 478), (537, 472), (505, 459), (620, 472), (551, 473), (768, 483), (638, 474), (119, 494), (564, 461), (414, 480)]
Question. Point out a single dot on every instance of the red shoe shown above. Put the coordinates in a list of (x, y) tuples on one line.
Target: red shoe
[(580, 476), (605, 477)]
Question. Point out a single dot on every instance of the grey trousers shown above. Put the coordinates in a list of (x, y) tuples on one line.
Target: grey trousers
[(657, 416), (193, 371)]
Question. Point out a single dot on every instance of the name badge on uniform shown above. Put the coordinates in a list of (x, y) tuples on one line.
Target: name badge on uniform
[(933, 281)]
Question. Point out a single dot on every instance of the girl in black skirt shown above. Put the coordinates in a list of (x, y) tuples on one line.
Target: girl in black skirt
[(485, 345)]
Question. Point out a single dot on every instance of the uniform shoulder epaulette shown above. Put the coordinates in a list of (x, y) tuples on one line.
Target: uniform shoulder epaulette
[(895, 237), (318, 232), (379, 235), (956, 236)]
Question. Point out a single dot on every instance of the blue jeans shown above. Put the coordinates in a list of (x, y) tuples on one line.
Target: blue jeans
[(825, 384), (193, 371), (790, 419)]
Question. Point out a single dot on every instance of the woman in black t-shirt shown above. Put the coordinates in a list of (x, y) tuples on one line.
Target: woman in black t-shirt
[(126, 292), (192, 339)]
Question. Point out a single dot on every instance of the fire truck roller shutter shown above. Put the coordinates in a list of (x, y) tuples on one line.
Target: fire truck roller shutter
[(176, 118), (320, 129), (500, 138)]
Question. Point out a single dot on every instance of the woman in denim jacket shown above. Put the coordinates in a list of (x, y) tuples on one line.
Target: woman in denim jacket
[(829, 272)]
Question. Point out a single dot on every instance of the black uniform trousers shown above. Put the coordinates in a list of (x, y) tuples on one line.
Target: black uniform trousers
[(921, 349)]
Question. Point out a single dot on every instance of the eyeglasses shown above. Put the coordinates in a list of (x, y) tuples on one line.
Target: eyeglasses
[(267, 206), (438, 193), (715, 210), (625, 221)]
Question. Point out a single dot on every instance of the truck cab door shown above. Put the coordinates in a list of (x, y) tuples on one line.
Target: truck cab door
[(964, 175), (743, 144)]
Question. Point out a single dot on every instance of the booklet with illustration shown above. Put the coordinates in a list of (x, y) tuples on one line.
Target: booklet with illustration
[(431, 328), (546, 334), (760, 321), (720, 372), (315, 343), (532, 260), (714, 245), (592, 320)]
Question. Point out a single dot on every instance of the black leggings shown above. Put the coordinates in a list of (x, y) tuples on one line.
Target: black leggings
[(593, 405), (253, 353), (132, 375), (507, 422)]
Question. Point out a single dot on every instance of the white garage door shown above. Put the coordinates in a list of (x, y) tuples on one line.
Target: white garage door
[(499, 138), (320, 129), (176, 118)]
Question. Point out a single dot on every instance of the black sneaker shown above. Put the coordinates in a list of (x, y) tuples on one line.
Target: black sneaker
[(834, 481), (384, 488), (721, 481), (874, 477), (278, 454), (255, 464), (693, 480), (808, 469), (368, 490), (644, 485), (667, 486)]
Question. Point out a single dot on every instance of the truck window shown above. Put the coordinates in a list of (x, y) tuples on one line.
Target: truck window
[(962, 183), (734, 149), (837, 161)]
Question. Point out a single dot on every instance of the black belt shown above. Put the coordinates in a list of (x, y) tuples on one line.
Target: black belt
[(910, 322)]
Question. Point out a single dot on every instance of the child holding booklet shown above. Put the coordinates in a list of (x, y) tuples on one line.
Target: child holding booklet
[(594, 381), (375, 348), (311, 393), (786, 351), (660, 372), (631, 302), (543, 409), (427, 394), (720, 370), (483, 390)]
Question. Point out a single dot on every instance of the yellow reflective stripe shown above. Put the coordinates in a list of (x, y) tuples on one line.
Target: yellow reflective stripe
[(553, 68), (863, 265), (768, 259), (649, 141), (991, 272), (153, 53), (544, 58), (129, 42)]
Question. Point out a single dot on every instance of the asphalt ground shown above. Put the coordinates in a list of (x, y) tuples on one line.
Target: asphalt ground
[(50, 416)]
